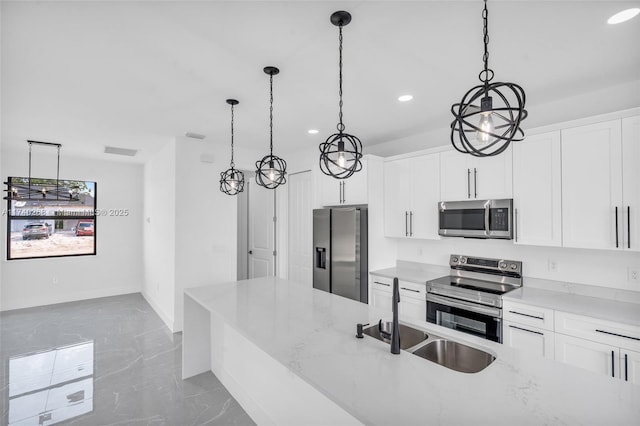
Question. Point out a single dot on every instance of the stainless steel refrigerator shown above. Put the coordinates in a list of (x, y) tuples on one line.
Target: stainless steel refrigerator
[(340, 252)]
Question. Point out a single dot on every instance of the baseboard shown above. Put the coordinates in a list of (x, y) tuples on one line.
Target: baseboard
[(32, 302), (167, 319)]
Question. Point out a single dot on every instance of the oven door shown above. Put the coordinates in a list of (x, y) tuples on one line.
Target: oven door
[(471, 318), (464, 218)]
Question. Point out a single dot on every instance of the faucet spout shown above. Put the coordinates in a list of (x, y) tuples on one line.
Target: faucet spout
[(395, 330)]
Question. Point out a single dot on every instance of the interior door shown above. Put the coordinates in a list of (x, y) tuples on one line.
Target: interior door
[(300, 228), (261, 231)]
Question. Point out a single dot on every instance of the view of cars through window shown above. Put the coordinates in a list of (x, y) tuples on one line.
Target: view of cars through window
[(43, 225)]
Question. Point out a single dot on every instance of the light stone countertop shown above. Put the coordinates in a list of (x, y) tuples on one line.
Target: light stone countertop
[(311, 332), (418, 273)]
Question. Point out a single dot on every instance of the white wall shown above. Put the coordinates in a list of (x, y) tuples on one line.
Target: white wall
[(159, 232), (117, 267)]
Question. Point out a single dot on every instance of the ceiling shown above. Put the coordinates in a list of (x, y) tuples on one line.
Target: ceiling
[(138, 74)]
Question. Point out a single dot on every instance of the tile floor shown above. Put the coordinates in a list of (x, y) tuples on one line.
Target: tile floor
[(108, 361)]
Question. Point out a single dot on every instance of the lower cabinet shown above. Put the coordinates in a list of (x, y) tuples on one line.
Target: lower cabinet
[(529, 339), (630, 366), (412, 304), (592, 356), (380, 292)]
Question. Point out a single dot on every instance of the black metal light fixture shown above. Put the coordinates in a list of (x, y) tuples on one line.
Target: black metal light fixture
[(271, 171), (341, 153), (488, 129), (232, 179)]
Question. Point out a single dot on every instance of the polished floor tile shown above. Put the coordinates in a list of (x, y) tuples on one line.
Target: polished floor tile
[(108, 361)]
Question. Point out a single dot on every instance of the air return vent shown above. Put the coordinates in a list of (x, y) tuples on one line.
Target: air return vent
[(120, 151)]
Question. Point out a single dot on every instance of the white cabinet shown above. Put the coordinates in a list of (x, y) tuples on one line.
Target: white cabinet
[(529, 328), (380, 292), (537, 190), (413, 302), (466, 177), (411, 195), (529, 339), (598, 345), (601, 185), (350, 191)]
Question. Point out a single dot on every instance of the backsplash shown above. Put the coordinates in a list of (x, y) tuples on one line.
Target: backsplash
[(605, 268)]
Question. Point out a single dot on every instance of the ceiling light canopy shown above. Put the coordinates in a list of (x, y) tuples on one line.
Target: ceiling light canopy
[(493, 124), (405, 98), (623, 16), (341, 153), (271, 171), (232, 179)]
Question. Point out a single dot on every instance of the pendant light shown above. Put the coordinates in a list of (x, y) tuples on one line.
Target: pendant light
[(232, 179), (271, 171), (494, 124), (341, 153)]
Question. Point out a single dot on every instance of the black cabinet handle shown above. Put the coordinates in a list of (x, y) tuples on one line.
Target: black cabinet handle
[(613, 364), (524, 329), (410, 289), (617, 335), (616, 226), (475, 182), (626, 368), (515, 225), (406, 227), (527, 315), (344, 192), (378, 282), (628, 226), (411, 224), (468, 183)]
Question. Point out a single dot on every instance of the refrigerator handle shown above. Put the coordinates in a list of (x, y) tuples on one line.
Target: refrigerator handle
[(321, 258)]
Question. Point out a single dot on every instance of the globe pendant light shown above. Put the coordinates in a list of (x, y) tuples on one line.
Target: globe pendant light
[(271, 170), (494, 124), (232, 179), (341, 153)]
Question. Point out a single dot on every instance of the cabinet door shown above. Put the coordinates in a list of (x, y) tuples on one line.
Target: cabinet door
[(381, 299), (455, 176), (412, 307), (425, 196), (631, 182), (331, 190), (592, 186), (354, 190), (592, 356), (630, 366), (537, 190), (529, 339), (491, 177), (397, 198)]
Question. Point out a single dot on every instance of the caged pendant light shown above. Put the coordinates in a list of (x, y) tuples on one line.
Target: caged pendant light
[(494, 124), (341, 153), (232, 179), (271, 171)]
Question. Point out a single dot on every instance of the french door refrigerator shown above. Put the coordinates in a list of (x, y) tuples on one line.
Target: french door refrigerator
[(340, 252)]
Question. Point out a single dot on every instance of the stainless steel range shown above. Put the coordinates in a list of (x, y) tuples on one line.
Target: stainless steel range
[(469, 299)]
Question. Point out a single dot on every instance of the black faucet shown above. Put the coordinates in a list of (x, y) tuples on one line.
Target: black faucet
[(395, 329)]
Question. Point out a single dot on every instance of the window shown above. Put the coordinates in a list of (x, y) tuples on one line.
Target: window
[(50, 218)]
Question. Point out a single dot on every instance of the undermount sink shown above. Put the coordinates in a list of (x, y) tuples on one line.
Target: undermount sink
[(455, 356), (448, 353), (409, 336)]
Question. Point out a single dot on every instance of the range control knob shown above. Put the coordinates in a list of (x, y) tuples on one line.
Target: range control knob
[(502, 265), (514, 266), (454, 259), (463, 260)]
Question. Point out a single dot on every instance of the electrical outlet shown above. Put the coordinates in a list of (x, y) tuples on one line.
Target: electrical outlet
[(420, 251), (634, 275), (553, 266), (55, 280)]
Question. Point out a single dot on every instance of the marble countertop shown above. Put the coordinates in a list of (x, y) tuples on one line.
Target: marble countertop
[(311, 333), (418, 273)]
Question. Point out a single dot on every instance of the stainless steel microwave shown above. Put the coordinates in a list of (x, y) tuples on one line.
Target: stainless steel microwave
[(476, 219)]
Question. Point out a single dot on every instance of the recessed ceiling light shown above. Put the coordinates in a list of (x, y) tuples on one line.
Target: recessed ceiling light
[(405, 98), (313, 131), (623, 16)]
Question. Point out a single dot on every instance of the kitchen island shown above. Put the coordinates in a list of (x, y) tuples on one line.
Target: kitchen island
[(289, 355)]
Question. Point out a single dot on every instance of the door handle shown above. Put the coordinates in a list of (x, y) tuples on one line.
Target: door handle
[(468, 183), (344, 192), (616, 226), (475, 183), (626, 368), (406, 227), (250, 251), (487, 211), (613, 364), (515, 225), (411, 224)]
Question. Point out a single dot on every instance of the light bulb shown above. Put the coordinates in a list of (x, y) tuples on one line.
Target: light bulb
[(486, 127), (341, 160), (232, 184), (272, 175)]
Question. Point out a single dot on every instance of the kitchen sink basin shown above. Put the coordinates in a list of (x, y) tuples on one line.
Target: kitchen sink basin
[(409, 336), (455, 356)]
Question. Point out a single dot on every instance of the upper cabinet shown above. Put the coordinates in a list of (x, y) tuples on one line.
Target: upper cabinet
[(350, 191), (464, 177), (411, 195), (601, 185), (537, 191)]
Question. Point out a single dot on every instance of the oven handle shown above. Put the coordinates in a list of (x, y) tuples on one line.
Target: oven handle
[(472, 307), (487, 212)]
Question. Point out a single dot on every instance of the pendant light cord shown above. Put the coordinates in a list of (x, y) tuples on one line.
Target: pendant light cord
[(340, 125), (232, 163), (271, 114), (487, 74)]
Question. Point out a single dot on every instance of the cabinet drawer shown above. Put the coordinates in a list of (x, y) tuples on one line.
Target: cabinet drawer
[(381, 283), (413, 290), (528, 315), (606, 332)]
